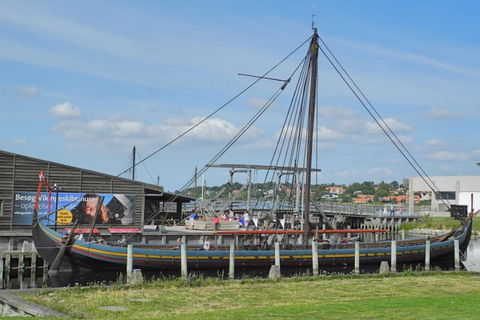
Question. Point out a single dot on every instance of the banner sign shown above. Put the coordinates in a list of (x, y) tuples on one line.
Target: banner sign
[(65, 208)]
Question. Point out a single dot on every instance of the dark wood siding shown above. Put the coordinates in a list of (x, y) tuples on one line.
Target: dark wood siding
[(6, 187), (20, 173)]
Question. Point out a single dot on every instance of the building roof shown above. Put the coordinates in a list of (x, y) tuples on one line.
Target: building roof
[(150, 190)]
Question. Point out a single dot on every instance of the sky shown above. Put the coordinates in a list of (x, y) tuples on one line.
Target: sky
[(83, 82)]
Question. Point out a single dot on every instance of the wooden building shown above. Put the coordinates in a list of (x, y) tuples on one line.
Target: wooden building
[(19, 178)]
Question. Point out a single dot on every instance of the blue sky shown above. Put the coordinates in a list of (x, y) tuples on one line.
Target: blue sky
[(81, 83)]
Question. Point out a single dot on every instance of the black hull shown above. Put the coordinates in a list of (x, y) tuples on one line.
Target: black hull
[(81, 256)]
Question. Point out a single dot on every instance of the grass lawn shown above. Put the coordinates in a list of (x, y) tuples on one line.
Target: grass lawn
[(408, 295)]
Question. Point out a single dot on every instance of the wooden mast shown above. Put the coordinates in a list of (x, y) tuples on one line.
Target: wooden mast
[(311, 123), (133, 163)]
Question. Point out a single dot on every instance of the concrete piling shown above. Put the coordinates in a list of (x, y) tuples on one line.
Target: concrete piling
[(315, 258), (357, 258), (129, 262), (457, 254), (231, 273), (394, 256), (427, 255)]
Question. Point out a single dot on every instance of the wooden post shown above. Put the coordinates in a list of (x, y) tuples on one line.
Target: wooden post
[(21, 265), (183, 256), (427, 255), (457, 254), (1, 270), (33, 269), (357, 258), (394, 256), (403, 234), (277, 253), (33, 265), (129, 262), (315, 257), (231, 273), (8, 260), (45, 271), (21, 261)]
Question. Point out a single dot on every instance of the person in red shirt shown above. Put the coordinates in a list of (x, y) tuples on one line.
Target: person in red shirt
[(216, 221)]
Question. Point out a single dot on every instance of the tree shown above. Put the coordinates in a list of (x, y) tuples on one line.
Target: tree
[(394, 185)]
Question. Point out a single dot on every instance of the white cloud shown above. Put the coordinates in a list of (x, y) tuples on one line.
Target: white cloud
[(447, 156), (327, 134), (258, 103), (66, 111), (476, 154), (438, 114), (27, 92), (394, 125), (262, 144), (379, 171), (336, 112), (446, 168), (119, 131), (411, 57), (434, 143)]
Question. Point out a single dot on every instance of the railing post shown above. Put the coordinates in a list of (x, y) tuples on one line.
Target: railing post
[(231, 273), (394, 256), (1, 270), (457, 254), (315, 257), (183, 259), (277, 253), (427, 255), (129, 262), (357, 258)]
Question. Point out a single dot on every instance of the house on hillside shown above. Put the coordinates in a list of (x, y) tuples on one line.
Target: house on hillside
[(363, 198), (336, 190)]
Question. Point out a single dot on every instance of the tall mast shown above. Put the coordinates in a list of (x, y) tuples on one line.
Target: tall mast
[(311, 123), (133, 163), (195, 188)]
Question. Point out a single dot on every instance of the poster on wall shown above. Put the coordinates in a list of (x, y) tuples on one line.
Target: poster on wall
[(116, 209)]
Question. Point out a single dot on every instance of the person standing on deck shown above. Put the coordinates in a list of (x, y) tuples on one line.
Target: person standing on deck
[(216, 222), (246, 218), (392, 210), (193, 217)]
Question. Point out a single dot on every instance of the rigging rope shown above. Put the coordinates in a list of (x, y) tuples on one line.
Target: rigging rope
[(378, 118)]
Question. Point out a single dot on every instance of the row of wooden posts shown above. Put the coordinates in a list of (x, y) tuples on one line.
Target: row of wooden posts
[(22, 267), (315, 266)]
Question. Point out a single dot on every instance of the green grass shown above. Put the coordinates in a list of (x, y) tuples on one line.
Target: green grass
[(448, 223), (412, 295)]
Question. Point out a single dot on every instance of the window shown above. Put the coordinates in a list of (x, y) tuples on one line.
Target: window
[(446, 195)]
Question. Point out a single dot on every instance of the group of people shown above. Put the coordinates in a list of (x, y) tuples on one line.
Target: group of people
[(392, 210), (230, 216), (243, 220), (66, 235)]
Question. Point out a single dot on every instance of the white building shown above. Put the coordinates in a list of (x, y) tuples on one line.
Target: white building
[(448, 190)]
